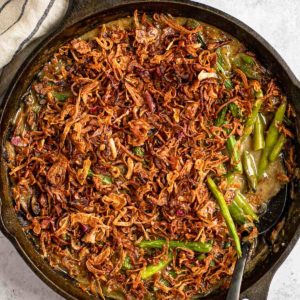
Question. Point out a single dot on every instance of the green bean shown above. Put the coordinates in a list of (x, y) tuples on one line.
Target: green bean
[(172, 273), (139, 151), (223, 67), (249, 168), (225, 213), (201, 40), (241, 210), (127, 263), (249, 72), (90, 173), (195, 246), (62, 96), (247, 59), (234, 155), (212, 263), (228, 84), (223, 63), (277, 148), (252, 118), (247, 64), (164, 282), (105, 179), (242, 202), (230, 177), (227, 245), (235, 110), (221, 169), (237, 213), (272, 136), (259, 94), (221, 119), (152, 269), (201, 257), (259, 138), (194, 24)]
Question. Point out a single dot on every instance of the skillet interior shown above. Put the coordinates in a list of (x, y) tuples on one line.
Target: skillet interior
[(86, 15)]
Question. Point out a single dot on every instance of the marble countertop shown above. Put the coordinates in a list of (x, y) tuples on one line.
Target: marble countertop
[(278, 22)]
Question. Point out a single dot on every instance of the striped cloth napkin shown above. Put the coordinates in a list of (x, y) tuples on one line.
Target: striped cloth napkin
[(21, 21)]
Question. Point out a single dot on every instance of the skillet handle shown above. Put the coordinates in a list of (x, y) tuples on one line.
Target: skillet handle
[(260, 290)]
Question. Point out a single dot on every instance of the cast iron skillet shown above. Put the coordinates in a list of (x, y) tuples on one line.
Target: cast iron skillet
[(85, 14)]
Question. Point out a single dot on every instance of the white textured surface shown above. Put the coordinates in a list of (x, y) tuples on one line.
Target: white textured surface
[(278, 22)]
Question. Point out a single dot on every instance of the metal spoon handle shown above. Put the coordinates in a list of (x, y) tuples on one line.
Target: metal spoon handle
[(236, 281)]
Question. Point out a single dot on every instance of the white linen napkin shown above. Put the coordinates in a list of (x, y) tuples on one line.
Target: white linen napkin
[(22, 21)]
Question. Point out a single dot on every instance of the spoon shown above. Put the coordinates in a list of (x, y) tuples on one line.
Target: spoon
[(266, 222)]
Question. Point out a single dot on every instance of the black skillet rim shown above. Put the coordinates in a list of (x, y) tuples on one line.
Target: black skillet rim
[(79, 14)]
